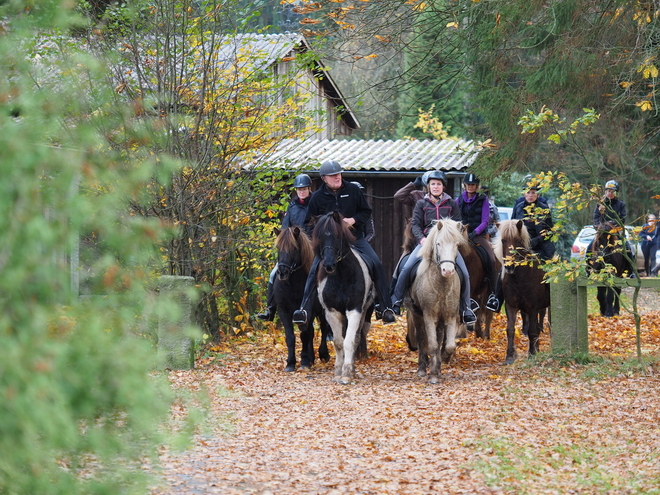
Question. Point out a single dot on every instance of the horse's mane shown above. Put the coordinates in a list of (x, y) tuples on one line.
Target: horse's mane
[(449, 233), (509, 230), (287, 241), (333, 222)]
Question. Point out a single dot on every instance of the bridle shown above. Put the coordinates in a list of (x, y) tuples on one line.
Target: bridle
[(339, 256)]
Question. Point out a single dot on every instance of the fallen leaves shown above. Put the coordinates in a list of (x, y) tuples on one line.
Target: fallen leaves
[(533, 427)]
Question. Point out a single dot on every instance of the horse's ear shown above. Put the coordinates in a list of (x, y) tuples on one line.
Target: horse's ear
[(277, 231), (519, 225), (438, 225), (463, 228), (336, 216), (296, 231)]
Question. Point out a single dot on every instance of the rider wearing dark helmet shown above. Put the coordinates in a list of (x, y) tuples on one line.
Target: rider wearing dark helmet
[(475, 213), (295, 215), (435, 205), (610, 213), (534, 211), (345, 197)]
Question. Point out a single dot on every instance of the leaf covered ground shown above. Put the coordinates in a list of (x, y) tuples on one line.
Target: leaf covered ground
[(539, 426)]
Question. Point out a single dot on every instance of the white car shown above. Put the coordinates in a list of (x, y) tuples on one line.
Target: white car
[(504, 212), (587, 234)]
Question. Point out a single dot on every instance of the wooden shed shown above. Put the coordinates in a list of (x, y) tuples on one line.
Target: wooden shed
[(382, 167)]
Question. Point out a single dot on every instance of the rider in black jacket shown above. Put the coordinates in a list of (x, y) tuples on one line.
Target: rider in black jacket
[(295, 215), (345, 197), (538, 225)]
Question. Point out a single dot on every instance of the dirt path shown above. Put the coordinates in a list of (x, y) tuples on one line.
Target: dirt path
[(486, 428)]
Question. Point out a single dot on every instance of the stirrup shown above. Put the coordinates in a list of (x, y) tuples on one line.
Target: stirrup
[(474, 305), (300, 316), (469, 316), (493, 303)]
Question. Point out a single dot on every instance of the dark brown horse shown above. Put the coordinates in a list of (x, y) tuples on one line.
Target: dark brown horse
[(606, 253), (522, 285), (480, 288), (294, 260)]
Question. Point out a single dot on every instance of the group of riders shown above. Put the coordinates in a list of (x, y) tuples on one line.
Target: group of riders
[(431, 203)]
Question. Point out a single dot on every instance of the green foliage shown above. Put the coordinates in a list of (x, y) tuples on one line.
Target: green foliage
[(79, 412)]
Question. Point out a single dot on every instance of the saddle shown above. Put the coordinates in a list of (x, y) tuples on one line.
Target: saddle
[(368, 261)]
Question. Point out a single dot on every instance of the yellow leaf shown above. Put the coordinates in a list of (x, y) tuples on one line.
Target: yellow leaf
[(453, 24), (644, 105), (626, 84)]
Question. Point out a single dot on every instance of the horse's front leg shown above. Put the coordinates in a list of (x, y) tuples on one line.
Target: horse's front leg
[(353, 328), (336, 321), (290, 337), (324, 354), (433, 348), (534, 331), (307, 344), (511, 354), (450, 340)]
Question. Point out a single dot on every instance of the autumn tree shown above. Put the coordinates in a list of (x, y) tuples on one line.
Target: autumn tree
[(211, 92)]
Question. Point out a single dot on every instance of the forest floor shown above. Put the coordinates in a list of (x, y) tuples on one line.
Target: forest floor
[(546, 425)]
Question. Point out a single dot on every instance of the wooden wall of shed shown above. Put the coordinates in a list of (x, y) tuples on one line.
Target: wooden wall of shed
[(389, 215)]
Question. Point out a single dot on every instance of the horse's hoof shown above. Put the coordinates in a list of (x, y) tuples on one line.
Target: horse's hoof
[(290, 368), (345, 380), (305, 367), (434, 380), (510, 360), (421, 374)]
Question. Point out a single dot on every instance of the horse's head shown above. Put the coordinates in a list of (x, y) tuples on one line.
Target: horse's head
[(332, 239), (294, 251), (441, 245), (515, 243)]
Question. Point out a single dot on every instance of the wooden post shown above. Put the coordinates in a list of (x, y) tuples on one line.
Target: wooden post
[(568, 301), (567, 333), (175, 345)]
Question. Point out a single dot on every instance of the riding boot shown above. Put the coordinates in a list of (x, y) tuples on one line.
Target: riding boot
[(271, 307), (300, 315)]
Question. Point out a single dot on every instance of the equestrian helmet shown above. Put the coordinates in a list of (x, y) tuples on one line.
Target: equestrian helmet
[(331, 167), (438, 175), (612, 184), (425, 177), (302, 180), (358, 184), (470, 179)]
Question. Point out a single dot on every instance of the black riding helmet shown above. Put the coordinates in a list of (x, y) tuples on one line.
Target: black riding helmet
[(438, 175), (470, 179), (302, 180), (330, 167)]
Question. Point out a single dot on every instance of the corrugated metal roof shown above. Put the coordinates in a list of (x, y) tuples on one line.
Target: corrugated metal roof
[(397, 155)]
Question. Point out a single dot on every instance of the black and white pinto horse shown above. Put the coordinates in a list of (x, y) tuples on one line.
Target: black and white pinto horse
[(345, 290), (606, 254), (523, 286), (433, 301), (294, 259)]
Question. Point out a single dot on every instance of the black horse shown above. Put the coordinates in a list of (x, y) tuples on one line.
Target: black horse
[(294, 259), (607, 252), (345, 289)]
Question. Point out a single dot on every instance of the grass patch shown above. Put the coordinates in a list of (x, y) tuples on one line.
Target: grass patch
[(533, 466)]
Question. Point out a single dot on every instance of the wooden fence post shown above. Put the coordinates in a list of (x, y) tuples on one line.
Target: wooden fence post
[(568, 303), (175, 345)]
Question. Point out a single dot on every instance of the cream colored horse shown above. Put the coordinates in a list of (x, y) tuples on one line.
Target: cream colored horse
[(434, 298)]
